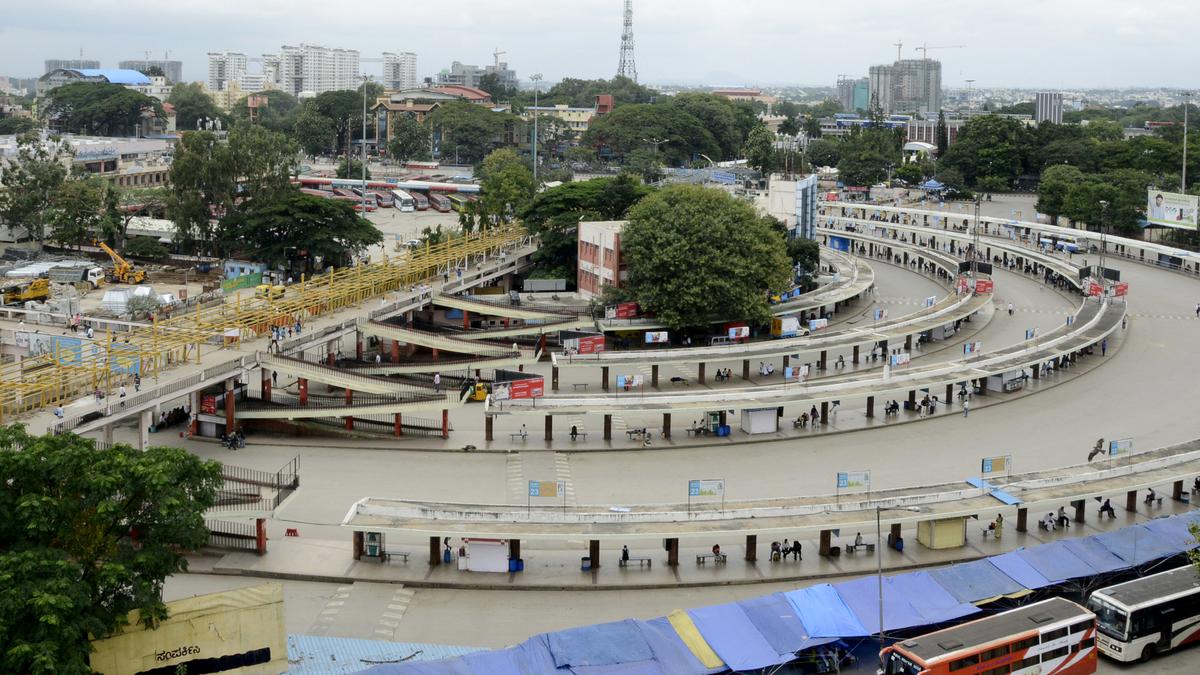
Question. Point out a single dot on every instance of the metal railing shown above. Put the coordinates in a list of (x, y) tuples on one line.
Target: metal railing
[(232, 535)]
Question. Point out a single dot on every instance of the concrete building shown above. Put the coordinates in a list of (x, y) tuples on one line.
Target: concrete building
[(925, 131), (744, 95), (854, 93), (576, 119), (794, 202), (469, 76), (56, 78), (600, 262), (908, 86), (224, 68), (316, 69), (173, 70), (399, 71), (1048, 107), (75, 64), (159, 87)]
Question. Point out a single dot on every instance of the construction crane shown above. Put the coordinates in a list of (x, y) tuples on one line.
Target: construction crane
[(496, 55), (123, 271), (924, 49), (898, 44)]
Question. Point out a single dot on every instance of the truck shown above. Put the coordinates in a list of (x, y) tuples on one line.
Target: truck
[(94, 276), (785, 327), (123, 271), (38, 289)]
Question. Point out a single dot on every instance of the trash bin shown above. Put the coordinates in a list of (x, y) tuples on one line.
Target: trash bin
[(514, 565), (520, 564), (447, 556), (585, 563)]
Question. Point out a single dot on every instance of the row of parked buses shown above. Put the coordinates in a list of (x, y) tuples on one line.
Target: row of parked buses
[(384, 196), (1131, 621)]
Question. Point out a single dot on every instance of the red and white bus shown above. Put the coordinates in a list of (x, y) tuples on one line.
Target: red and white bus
[(1051, 637), (383, 198), (439, 202), (421, 166), (420, 201), (1149, 615)]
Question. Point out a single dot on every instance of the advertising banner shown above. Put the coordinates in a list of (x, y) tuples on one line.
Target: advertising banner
[(1121, 447), (625, 310), (854, 480), (931, 301), (587, 344), (124, 358), (972, 347), (1171, 209), (1094, 289), (244, 281), (544, 488), (900, 359), (706, 488), (628, 382), (984, 286), (208, 404), (533, 387), (68, 351), (817, 324), (41, 344), (1001, 464), (739, 332), (1121, 289), (880, 314), (657, 337), (22, 339)]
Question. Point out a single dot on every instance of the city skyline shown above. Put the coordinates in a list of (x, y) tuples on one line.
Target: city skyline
[(1021, 44)]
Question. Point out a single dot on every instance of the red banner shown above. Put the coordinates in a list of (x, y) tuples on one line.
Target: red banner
[(1121, 289), (533, 387), (591, 344), (208, 404), (984, 285), (1095, 290)]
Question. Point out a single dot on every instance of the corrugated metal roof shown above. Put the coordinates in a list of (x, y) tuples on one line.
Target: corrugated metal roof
[(115, 75), (313, 655)]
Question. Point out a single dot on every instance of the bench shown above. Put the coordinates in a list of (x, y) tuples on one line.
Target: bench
[(578, 434), (680, 380), (386, 556), (718, 558), (697, 431), (634, 433), (851, 548), (291, 532), (640, 560), (579, 385), (517, 434), (1156, 500)]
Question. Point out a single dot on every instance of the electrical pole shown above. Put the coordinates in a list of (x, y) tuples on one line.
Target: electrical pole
[(536, 78), (365, 80), (1183, 174), (1103, 242)]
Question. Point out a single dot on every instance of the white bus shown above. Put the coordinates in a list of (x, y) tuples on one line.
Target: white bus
[(1149, 615), (403, 200)]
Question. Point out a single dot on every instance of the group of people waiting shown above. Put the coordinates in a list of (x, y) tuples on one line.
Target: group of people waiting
[(724, 374), (782, 551)]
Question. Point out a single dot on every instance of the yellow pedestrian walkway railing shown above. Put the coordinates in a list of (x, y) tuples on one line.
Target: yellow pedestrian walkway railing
[(71, 366)]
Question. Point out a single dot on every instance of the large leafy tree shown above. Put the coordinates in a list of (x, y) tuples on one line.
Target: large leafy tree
[(989, 146), (696, 254), (279, 113), (343, 110), (582, 93), (410, 139), (193, 103), (77, 209), (720, 116), (678, 135), (866, 155), (467, 131), (88, 535), (824, 152), (31, 179), (295, 227), (98, 108), (760, 149), (315, 132), (507, 186), (1057, 181)]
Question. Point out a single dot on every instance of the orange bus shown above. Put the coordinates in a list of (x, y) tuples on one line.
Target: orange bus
[(1051, 637)]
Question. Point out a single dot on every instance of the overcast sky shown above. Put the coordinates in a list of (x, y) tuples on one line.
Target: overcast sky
[(1016, 43)]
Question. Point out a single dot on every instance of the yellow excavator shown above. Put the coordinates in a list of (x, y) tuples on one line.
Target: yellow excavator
[(122, 271)]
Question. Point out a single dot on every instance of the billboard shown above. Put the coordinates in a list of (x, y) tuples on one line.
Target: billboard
[(817, 324), (587, 344), (533, 387), (706, 488), (850, 480), (1000, 464), (657, 337), (900, 359), (625, 310), (1171, 209), (739, 332), (984, 286)]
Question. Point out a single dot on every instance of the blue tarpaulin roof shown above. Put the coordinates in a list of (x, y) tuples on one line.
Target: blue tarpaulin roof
[(779, 623), (599, 645), (1055, 562), (932, 185), (913, 599), (1019, 570), (732, 635), (823, 613), (1175, 530), (1092, 552), (975, 581), (1137, 544), (672, 655)]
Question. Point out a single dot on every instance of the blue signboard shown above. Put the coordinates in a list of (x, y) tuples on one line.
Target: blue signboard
[(124, 358), (68, 351), (693, 488), (535, 488)]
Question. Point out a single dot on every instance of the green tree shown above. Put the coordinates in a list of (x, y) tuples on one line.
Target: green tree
[(507, 186), (790, 126), (646, 163), (279, 113), (343, 110), (760, 149), (942, 135), (678, 135), (314, 132), (351, 168), (76, 210), (812, 126), (263, 162), (867, 154), (910, 173), (719, 116), (490, 83), (696, 253), (31, 179), (193, 103), (98, 108), (16, 125), (467, 132), (145, 247), (582, 93), (554, 213), (822, 152), (410, 139), (989, 145), (88, 535), (277, 230), (1056, 182)]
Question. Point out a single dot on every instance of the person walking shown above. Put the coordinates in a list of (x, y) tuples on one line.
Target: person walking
[(1104, 347), (437, 382), (1010, 309), (966, 406)]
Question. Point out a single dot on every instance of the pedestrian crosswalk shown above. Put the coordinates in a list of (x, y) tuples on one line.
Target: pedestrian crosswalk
[(331, 610), (389, 620), (514, 474), (562, 473), (1165, 317)]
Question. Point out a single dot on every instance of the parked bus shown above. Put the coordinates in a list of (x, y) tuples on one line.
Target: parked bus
[(457, 202), (344, 192), (420, 201), (421, 166), (1052, 636), (383, 199), (404, 201), (439, 202), (1148, 616), (356, 202)]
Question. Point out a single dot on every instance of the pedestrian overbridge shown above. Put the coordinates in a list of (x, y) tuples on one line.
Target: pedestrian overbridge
[(409, 404), (333, 376), (500, 309), (447, 343)]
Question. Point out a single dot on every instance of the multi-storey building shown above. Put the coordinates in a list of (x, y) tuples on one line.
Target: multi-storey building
[(1048, 107), (71, 64), (399, 71), (173, 70), (854, 93), (225, 68), (600, 262), (908, 86), (469, 76), (317, 69)]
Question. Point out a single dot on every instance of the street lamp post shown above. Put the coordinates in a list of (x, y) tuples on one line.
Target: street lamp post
[(1183, 174), (365, 80), (1103, 242), (975, 241), (536, 77), (879, 560)]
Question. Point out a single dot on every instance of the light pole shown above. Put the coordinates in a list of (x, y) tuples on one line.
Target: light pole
[(536, 78), (879, 559), (365, 80), (1103, 242), (975, 241), (1183, 174)]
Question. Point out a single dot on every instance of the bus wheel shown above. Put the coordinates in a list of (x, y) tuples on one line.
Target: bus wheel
[(1148, 653)]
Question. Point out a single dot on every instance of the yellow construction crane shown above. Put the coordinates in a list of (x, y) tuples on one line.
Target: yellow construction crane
[(123, 271)]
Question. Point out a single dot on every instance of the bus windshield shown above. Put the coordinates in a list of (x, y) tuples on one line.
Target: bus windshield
[(898, 664), (1109, 620)]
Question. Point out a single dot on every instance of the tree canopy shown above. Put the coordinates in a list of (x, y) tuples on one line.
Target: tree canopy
[(697, 254), (87, 535), (678, 135), (279, 114), (410, 139), (581, 93), (31, 178), (507, 186), (298, 228), (865, 155), (467, 131), (98, 108), (192, 103)]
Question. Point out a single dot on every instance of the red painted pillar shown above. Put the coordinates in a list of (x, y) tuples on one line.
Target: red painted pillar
[(435, 354), (395, 351), (349, 401), (466, 319), (266, 386), (302, 383), (260, 532), (230, 422), (358, 346), (399, 426), (445, 423)]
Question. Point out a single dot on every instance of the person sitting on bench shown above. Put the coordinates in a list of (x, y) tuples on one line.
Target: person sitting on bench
[(1196, 484), (1150, 496), (775, 551), (1047, 523), (574, 432), (1106, 507), (1062, 520)]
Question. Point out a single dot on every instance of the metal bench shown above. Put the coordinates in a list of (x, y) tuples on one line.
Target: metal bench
[(680, 381), (580, 385), (517, 434), (717, 558), (851, 548), (579, 434), (640, 560), (697, 431), (386, 556)]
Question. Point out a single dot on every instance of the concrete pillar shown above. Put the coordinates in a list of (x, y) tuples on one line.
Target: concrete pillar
[(549, 428), (824, 413), (907, 343), (147, 419), (435, 551), (1131, 500), (1079, 510), (349, 401), (824, 543), (435, 354), (822, 363), (1037, 371), (982, 386), (854, 359), (666, 427), (445, 423), (870, 406), (398, 429), (745, 369), (266, 385), (230, 421), (700, 374), (395, 351), (604, 378), (787, 361), (751, 547), (1022, 519), (1177, 491), (912, 398), (487, 427), (894, 534), (358, 346), (194, 424), (467, 320), (514, 549), (594, 553), (357, 545), (672, 552), (949, 394), (330, 353), (260, 536), (553, 378), (724, 416), (302, 385), (654, 376), (608, 427)]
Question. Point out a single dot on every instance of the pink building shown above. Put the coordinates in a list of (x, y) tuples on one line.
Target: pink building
[(600, 262)]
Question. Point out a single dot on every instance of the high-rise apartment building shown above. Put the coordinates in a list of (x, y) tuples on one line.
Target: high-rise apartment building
[(173, 70), (75, 64), (225, 68), (1048, 107), (399, 71), (854, 93), (469, 76), (908, 87), (317, 69)]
